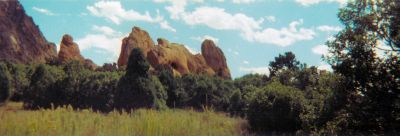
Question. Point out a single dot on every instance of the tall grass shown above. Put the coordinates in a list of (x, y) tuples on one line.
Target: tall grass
[(66, 121)]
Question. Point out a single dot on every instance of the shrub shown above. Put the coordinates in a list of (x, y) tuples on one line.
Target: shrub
[(277, 108), (241, 99)]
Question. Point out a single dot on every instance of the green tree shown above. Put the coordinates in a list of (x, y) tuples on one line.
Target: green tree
[(282, 62), (5, 83), (42, 91), (277, 108), (171, 85), (371, 79), (241, 99), (137, 89), (203, 90)]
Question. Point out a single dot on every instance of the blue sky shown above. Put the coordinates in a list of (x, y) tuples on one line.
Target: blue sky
[(250, 32)]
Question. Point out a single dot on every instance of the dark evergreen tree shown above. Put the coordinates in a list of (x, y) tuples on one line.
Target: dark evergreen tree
[(5, 83), (136, 88)]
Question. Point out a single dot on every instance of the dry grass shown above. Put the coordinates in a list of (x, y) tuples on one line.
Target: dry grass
[(65, 121)]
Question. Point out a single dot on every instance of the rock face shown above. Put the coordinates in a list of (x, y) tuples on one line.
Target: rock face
[(178, 58), (136, 39), (69, 51), (20, 39), (215, 58), (174, 56)]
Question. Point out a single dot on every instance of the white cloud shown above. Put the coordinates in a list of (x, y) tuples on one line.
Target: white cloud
[(271, 18), (249, 28), (191, 50), (236, 52), (165, 25), (246, 62), (204, 37), (177, 7), (326, 28), (107, 40), (255, 70), (44, 11), (242, 1), (218, 19), (105, 30), (114, 12), (320, 49), (283, 37), (57, 47), (324, 66), (313, 2)]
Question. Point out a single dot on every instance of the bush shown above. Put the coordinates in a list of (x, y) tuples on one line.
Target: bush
[(241, 99), (277, 108)]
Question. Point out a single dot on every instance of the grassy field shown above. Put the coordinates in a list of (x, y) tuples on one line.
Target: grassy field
[(65, 121)]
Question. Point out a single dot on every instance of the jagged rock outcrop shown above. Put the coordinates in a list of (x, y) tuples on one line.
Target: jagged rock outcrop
[(20, 39), (178, 58), (215, 58), (69, 51), (136, 39), (174, 56)]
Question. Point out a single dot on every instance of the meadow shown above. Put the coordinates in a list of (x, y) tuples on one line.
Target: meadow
[(14, 120)]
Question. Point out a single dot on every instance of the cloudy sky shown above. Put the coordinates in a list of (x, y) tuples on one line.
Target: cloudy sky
[(250, 32)]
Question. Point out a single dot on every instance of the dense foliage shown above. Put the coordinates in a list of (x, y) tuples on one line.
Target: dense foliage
[(360, 96), (4, 83), (137, 89), (277, 108), (365, 53)]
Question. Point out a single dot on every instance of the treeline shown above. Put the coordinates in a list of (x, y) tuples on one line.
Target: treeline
[(292, 100), (360, 96), (107, 88)]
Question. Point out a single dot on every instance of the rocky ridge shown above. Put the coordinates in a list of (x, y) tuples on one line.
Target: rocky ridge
[(175, 56), (20, 38)]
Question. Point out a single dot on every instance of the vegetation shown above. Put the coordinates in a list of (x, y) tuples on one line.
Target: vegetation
[(360, 96), (4, 83), (277, 108), (371, 85), (137, 89), (142, 122)]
